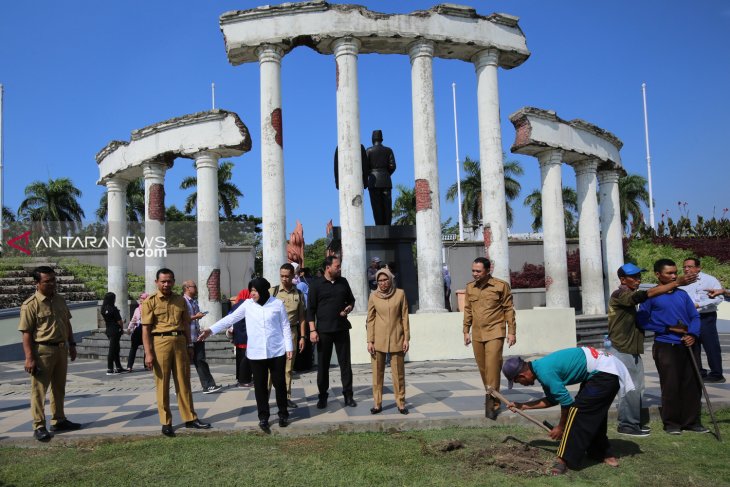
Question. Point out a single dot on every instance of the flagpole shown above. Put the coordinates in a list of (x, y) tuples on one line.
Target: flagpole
[(458, 167), (212, 94), (2, 194), (648, 158)]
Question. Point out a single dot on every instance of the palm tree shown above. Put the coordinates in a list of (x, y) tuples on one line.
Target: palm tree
[(471, 190), (54, 201), (228, 193), (8, 215), (135, 202), (570, 207), (632, 191), (404, 208)]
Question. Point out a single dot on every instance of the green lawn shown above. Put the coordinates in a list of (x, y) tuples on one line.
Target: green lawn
[(418, 458)]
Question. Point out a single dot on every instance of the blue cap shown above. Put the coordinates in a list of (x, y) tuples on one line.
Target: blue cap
[(511, 368), (629, 270)]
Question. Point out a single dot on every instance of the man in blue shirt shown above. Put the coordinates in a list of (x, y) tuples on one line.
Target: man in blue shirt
[(583, 420), (676, 326)]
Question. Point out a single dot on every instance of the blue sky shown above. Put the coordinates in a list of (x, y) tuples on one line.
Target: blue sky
[(78, 74)]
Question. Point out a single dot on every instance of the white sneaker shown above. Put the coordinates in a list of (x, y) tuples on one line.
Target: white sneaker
[(212, 389)]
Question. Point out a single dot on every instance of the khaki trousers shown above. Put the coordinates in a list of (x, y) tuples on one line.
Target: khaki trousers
[(488, 356), (289, 363), (397, 368), (172, 358), (52, 364)]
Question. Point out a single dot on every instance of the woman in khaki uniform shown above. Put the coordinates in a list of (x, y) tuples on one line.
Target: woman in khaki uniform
[(388, 332)]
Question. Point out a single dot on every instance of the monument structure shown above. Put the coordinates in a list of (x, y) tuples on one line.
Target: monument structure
[(594, 155), (266, 34), (204, 137)]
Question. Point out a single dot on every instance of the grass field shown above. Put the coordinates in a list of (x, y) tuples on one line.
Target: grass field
[(501, 456)]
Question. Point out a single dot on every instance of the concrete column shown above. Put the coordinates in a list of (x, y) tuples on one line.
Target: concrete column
[(273, 207), (352, 219), (154, 222), (116, 200), (209, 272), (591, 265), (612, 241), (428, 212), (553, 227), (494, 209)]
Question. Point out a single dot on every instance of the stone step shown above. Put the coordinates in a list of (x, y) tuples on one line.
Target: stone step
[(63, 288), (28, 280), (218, 349)]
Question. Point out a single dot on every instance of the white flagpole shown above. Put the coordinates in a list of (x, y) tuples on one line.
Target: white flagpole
[(458, 167), (2, 195), (212, 94), (648, 158)]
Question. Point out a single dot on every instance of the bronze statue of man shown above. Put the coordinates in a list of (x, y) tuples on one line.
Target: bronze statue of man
[(382, 164)]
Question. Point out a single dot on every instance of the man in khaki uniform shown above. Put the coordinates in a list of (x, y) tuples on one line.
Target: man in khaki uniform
[(45, 322), (168, 350), (487, 307), (293, 300)]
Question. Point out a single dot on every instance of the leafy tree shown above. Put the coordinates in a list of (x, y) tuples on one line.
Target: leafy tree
[(314, 254), (135, 202), (228, 193), (404, 208), (570, 207), (471, 190), (632, 192), (54, 201)]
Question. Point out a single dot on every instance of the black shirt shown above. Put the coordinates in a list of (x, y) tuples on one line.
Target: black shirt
[(326, 300)]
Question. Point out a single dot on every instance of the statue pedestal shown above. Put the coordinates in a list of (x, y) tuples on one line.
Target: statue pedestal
[(393, 243)]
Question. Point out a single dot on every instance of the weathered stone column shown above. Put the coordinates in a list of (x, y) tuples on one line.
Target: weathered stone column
[(589, 243), (209, 273), (428, 213), (154, 223), (116, 200), (553, 227), (352, 219), (494, 209), (273, 204), (612, 241)]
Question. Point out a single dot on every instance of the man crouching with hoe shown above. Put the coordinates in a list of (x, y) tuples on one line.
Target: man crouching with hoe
[(583, 420)]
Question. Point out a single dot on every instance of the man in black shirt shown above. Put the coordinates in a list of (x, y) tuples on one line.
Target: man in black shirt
[(330, 301)]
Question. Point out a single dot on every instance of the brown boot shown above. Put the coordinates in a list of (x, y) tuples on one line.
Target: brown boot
[(489, 411)]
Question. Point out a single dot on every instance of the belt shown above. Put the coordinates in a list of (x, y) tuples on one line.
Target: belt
[(168, 334), (50, 344)]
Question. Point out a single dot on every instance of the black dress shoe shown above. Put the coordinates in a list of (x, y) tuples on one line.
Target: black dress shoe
[(349, 401), (291, 404), (168, 431), (403, 410), (65, 425), (283, 422), (42, 434), (489, 411), (376, 410), (197, 424), (322, 402), (264, 425)]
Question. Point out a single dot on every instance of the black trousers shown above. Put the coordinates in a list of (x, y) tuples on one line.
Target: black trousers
[(136, 341), (681, 391), (261, 369), (201, 366), (112, 358), (585, 430), (340, 341), (243, 367), (382, 203)]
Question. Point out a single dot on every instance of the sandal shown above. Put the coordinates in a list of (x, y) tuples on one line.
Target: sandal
[(403, 410), (558, 468), (376, 410)]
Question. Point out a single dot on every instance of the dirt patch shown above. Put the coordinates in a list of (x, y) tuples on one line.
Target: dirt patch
[(515, 458)]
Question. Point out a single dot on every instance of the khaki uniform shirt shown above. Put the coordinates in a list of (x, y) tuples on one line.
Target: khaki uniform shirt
[(625, 335), (293, 303), (487, 307), (387, 322), (165, 313), (47, 319)]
